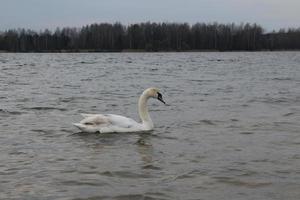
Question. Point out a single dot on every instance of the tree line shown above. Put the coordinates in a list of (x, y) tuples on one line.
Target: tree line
[(151, 37)]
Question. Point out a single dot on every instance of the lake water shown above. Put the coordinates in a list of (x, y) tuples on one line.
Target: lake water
[(231, 129)]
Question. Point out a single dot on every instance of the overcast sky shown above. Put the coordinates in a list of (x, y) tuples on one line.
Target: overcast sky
[(41, 14)]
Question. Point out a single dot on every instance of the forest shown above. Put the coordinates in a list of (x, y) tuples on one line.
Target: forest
[(150, 36)]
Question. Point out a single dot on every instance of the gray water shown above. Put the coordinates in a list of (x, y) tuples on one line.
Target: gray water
[(230, 129)]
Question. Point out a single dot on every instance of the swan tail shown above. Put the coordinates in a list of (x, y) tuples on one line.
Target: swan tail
[(85, 128), (78, 125), (87, 115)]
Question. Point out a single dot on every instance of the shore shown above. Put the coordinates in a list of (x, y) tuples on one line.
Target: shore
[(139, 51)]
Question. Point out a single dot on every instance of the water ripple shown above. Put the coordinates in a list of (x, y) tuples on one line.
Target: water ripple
[(230, 129)]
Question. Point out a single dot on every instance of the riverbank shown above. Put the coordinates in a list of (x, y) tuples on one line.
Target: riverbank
[(139, 51)]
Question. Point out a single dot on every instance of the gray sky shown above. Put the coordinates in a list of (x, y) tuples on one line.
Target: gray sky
[(40, 14)]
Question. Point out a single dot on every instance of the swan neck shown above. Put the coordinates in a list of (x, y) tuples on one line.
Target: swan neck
[(143, 111)]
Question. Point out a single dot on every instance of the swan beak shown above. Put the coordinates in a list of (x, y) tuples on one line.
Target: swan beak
[(159, 97)]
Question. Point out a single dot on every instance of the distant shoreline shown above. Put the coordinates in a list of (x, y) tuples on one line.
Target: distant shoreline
[(151, 37), (144, 51)]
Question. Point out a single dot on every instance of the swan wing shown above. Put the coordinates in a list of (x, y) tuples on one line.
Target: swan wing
[(121, 121), (93, 123), (107, 119), (105, 123), (95, 120)]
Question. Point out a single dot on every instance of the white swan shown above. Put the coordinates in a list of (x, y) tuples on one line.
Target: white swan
[(109, 123)]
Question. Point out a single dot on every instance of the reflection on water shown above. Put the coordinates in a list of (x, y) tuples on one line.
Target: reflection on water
[(230, 129)]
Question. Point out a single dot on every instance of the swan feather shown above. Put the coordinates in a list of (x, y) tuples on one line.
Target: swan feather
[(107, 123)]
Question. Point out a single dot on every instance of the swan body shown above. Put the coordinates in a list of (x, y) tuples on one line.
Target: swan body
[(110, 123)]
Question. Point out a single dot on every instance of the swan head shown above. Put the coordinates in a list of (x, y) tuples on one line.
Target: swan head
[(154, 93)]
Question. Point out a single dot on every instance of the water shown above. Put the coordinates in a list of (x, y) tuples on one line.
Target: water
[(230, 131)]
